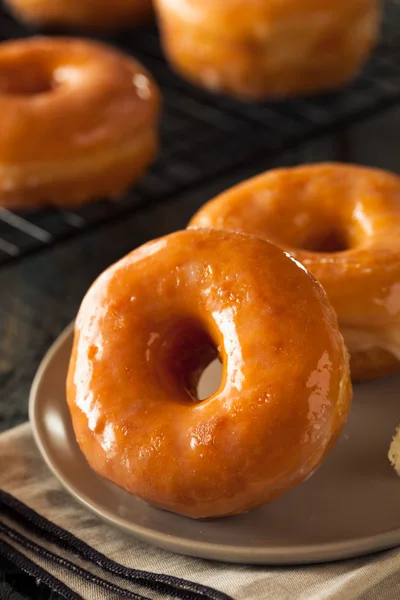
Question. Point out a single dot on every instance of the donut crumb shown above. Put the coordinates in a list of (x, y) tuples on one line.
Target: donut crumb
[(394, 451)]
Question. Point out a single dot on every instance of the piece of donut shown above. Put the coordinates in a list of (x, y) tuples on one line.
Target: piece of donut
[(394, 451), (343, 223), (257, 49), (78, 121), (82, 14), (148, 327)]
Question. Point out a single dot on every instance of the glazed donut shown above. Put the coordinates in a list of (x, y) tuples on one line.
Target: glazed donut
[(343, 223), (77, 120), (146, 330), (259, 49), (82, 14)]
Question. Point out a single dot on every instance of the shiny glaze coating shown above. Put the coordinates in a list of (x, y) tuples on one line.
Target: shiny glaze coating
[(151, 323), (258, 49), (78, 120), (82, 14), (343, 223)]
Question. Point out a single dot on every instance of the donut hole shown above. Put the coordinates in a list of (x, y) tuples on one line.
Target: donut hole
[(330, 241), (25, 80), (191, 357)]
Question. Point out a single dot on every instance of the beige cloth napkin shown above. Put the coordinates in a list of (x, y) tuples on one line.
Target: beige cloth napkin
[(24, 475)]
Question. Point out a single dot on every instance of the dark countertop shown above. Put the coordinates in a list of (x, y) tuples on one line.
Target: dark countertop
[(40, 293)]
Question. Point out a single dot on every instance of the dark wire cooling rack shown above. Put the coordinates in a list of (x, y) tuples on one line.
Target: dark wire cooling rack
[(205, 136)]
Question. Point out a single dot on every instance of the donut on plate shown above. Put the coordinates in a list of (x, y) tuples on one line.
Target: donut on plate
[(82, 14), (148, 327), (260, 49), (78, 121), (343, 223)]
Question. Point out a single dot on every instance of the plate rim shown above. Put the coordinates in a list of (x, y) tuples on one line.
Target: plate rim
[(290, 555)]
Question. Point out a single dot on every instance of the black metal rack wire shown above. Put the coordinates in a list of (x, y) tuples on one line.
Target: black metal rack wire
[(205, 136)]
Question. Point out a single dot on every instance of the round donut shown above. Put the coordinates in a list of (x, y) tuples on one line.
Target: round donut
[(342, 222), (148, 327), (259, 49), (82, 14), (78, 121)]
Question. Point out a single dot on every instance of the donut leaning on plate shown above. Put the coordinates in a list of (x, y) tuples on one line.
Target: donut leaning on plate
[(260, 49), (146, 330), (82, 14), (78, 121), (343, 223)]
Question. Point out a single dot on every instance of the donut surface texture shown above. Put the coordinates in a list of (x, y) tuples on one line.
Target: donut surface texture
[(148, 327), (343, 223), (258, 49), (78, 121), (82, 14)]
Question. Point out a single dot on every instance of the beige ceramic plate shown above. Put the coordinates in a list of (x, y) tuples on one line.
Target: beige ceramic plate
[(350, 507)]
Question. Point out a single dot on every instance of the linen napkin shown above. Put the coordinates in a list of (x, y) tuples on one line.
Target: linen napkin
[(47, 534)]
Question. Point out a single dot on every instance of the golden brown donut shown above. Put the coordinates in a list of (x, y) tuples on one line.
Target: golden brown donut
[(78, 121), (343, 223), (82, 14), (148, 327), (259, 49)]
